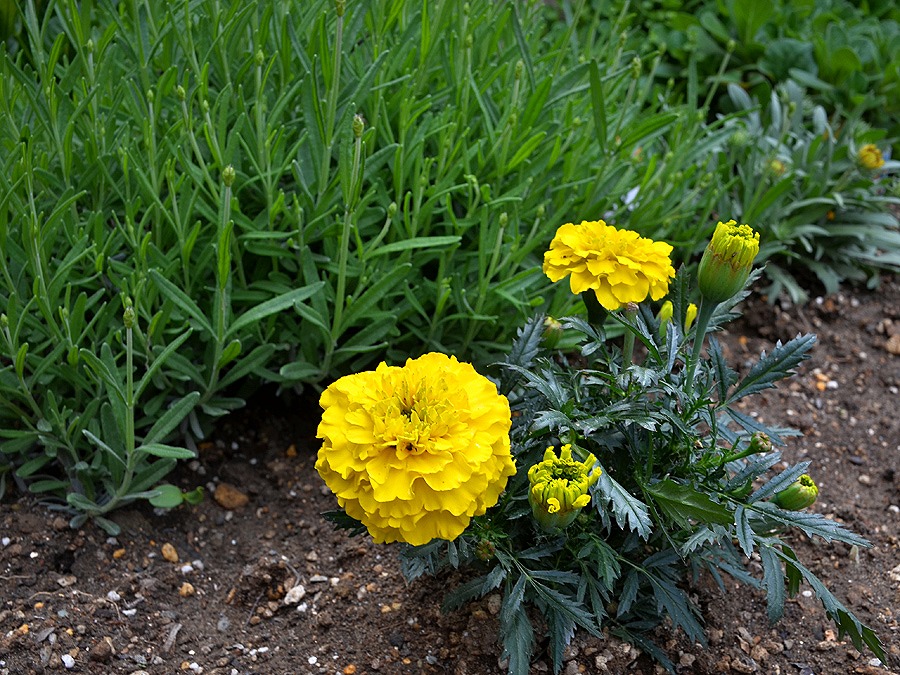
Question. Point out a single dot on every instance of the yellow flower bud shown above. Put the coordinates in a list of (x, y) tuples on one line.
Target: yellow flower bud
[(690, 316), (870, 157), (727, 260), (559, 488)]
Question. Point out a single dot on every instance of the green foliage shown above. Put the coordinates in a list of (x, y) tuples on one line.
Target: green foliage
[(799, 181), (289, 192), (685, 476), (847, 52)]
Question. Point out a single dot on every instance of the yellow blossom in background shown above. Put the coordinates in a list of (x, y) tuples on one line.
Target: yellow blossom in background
[(414, 452), (559, 487), (870, 157), (620, 266)]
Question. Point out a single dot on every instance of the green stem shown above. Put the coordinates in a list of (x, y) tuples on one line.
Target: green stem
[(631, 311), (704, 313), (595, 311)]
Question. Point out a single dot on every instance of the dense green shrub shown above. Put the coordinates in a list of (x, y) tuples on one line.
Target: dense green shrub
[(287, 192), (281, 192)]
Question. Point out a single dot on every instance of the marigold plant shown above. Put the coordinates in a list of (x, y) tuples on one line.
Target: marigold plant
[(414, 452), (620, 266), (660, 474)]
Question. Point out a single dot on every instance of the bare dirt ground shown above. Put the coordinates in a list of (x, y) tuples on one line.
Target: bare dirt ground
[(254, 581)]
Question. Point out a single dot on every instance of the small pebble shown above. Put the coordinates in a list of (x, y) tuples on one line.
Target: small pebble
[(186, 590), (864, 479), (67, 661), (129, 612), (112, 596), (294, 595), (169, 553), (5, 541)]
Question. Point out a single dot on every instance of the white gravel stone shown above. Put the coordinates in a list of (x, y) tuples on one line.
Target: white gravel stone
[(112, 596), (67, 661), (295, 595)]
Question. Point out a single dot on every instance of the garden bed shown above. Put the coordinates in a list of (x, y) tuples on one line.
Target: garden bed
[(232, 601)]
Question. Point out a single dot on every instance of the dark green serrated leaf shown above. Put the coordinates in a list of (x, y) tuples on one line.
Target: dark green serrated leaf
[(678, 606), (780, 482), (682, 503), (516, 631), (725, 377), (743, 531), (772, 367), (812, 524), (861, 635), (344, 522), (625, 507), (773, 580)]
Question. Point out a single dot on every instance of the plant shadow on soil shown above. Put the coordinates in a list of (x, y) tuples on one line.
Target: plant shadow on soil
[(270, 587)]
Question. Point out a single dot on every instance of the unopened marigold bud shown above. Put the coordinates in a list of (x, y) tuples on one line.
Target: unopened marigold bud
[(760, 442), (485, 550), (665, 312), (559, 488), (799, 495), (690, 316), (228, 175), (870, 157), (727, 260), (553, 330)]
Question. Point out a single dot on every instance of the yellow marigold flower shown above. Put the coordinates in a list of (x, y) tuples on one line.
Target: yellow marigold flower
[(727, 260), (870, 157), (559, 488), (620, 266), (414, 452)]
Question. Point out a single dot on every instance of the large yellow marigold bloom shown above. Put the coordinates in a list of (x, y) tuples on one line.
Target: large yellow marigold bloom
[(620, 266), (415, 452)]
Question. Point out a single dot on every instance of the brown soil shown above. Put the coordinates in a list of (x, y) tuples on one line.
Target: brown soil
[(84, 602)]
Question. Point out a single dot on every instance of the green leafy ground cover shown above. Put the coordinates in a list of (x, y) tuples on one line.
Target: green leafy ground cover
[(289, 192)]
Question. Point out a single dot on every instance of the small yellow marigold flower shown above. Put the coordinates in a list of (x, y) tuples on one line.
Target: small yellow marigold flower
[(620, 266), (727, 260), (559, 488), (415, 452), (870, 157), (801, 493)]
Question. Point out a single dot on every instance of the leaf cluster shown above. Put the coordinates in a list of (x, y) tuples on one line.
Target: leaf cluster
[(687, 486)]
